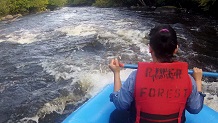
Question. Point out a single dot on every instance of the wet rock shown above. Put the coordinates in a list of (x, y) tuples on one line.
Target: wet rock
[(210, 98), (17, 16), (140, 8), (9, 17), (3, 18), (167, 9)]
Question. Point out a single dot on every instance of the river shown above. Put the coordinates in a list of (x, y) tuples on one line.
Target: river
[(52, 62)]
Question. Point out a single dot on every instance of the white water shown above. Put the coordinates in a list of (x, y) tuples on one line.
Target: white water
[(81, 66), (21, 36)]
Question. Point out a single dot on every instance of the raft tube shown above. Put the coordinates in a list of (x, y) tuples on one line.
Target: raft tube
[(99, 108)]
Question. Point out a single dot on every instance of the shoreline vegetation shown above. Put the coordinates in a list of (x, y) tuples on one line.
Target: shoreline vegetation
[(12, 9)]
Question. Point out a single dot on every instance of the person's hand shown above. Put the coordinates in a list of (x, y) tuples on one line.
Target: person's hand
[(197, 74), (115, 65)]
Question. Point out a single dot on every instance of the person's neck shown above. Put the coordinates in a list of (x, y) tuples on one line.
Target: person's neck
[(154, 59)]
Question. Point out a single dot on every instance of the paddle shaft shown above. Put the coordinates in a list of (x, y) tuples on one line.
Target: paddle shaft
[(208, 74)]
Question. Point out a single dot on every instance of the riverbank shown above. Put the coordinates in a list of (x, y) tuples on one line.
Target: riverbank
[(10, 17)]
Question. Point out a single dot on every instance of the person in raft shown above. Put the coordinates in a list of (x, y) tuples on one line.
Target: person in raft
[(158, 91)]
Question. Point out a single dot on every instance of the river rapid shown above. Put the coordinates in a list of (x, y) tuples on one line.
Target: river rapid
[(52, 62)]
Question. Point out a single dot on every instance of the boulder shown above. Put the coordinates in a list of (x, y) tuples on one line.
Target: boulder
[(17, 16), (9, 17), (3, 19)]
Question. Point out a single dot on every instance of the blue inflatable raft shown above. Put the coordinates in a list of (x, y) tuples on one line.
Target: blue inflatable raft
[(98, 109)]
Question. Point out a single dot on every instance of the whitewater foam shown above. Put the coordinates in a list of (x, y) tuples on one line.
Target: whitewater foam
[(79, 30), (22, 37)]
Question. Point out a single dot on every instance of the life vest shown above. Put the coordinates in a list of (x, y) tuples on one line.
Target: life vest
[(161, 92)]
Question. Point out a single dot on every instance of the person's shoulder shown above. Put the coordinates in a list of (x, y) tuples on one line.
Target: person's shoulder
[(132, 76), (133, 73), (191, 78), (192, 81)]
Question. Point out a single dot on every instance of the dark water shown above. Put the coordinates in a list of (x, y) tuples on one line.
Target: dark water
[(52, 62)]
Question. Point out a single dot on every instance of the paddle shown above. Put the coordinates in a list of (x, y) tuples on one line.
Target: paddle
[(208, 74)]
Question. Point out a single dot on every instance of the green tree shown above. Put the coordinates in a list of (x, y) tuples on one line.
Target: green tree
[(77, 2), (57, 3), (37, 5), (4, 9), (18, 6), (81, 2), (52, 4), (108, 3), (27, 6)]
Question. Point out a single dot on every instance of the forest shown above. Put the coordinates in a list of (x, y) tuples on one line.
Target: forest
[(32, 6)]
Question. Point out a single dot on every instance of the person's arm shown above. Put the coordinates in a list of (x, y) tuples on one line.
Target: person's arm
[(117, 82), (115, 67), (197, 74), (123, 98), (195, 101)]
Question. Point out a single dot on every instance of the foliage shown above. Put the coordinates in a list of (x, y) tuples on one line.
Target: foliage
[(57, 3), (27, 6), (206, 4), (4, 9), (37, 5), (108, 3), (13, 6), (52, 4), (80, 2), (102, 3), (18, 6)]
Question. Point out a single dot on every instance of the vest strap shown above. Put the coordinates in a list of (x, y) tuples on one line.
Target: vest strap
[(149, 121), (137, 114), (158, 116)]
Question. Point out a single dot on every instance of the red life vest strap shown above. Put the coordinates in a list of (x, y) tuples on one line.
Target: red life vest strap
[(152, 118)]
